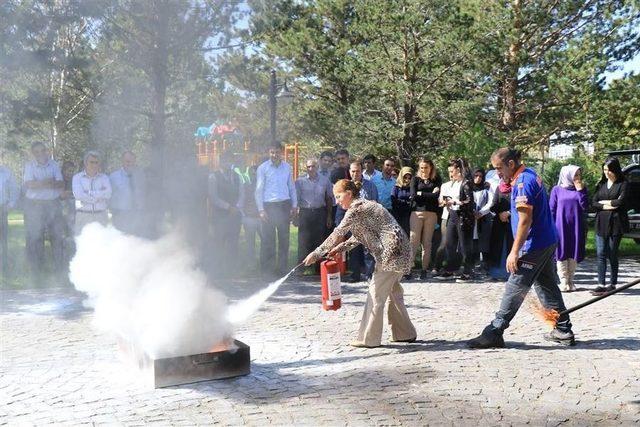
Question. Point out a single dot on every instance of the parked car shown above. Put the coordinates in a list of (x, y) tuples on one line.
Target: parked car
[(630, 161)]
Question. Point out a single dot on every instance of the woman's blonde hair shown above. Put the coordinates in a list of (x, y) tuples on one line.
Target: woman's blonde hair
[(348, 185), (434, 172)]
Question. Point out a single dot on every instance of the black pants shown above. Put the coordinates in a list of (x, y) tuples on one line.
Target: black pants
[(4, 240), (312, 229), (361, 262), (226, 229), (43, 217), (459, 236), (278, 216)]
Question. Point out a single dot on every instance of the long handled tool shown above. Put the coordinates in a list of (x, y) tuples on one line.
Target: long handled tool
[(599, 297)]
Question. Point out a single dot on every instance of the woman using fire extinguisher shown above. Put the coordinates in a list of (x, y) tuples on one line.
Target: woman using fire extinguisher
[(373, 226)]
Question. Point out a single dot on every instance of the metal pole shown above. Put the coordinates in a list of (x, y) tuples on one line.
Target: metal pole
[(599, 297), (273, 105)]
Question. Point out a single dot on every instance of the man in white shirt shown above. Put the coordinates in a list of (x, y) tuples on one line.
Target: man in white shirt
[(92, 191), (127, 195), (43, 183), (9, 192), (277, 203)]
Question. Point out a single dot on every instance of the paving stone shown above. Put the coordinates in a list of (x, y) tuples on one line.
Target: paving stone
[(56, 369)]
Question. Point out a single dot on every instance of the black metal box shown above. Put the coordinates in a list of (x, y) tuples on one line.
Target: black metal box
[(215, 365)]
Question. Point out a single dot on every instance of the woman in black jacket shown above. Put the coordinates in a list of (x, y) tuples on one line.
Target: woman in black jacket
[(612, 221)]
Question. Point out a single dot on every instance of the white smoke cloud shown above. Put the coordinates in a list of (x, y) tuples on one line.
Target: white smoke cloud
[(149, 293)]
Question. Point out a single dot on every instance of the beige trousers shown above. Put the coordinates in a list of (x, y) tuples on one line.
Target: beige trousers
[(422, 226), (566, 272), (385, 285)]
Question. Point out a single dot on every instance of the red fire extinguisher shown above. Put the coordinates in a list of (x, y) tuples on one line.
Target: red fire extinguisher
[(331, 285), (341, 260)]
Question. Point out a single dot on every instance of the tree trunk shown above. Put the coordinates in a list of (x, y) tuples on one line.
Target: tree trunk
[(56, 86), (510, 81), (159, 79), (405, 147)]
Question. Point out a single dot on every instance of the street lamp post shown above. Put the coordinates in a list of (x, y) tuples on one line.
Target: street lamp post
[(273, 105), (284, 95)]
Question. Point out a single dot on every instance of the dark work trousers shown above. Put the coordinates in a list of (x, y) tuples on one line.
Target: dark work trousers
[(278, 219), (436, 240), (459, 237), (4, 240), (252, 228), (538, 269), (226, 229), (40, 217), (312, 229), (361, 262)]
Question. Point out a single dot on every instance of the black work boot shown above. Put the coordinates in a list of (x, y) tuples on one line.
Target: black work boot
[(564, 338), (489, 338)]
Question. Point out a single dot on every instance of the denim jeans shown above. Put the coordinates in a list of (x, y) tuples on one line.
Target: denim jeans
[(535, 268), (607, 247)]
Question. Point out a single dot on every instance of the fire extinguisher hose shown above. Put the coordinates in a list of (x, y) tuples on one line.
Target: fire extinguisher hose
[(599, 297)]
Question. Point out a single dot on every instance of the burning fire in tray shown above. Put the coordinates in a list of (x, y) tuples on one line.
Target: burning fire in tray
[(227, 359)]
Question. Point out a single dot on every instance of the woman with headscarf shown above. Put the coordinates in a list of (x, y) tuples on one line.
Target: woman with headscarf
[(569, 203), (501, 232), (401, 201), (483, 196)]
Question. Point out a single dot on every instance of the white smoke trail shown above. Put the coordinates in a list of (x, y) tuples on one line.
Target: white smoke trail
[(242, 310), (149, 292)]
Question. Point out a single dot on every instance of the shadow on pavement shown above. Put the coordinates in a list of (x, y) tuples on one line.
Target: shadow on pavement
[(596, 344)]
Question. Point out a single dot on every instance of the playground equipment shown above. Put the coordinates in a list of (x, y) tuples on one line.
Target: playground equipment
[(211, 141)]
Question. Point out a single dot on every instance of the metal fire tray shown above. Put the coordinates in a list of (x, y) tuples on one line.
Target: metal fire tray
[(214, 365)]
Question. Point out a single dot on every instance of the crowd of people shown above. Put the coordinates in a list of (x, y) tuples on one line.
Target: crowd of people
[(58, 201), (540, 230), (459, 227)]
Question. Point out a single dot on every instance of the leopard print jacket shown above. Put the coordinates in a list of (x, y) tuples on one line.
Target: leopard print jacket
[(372, 226)]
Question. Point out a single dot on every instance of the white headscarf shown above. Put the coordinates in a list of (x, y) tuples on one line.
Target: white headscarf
[(567, 173)]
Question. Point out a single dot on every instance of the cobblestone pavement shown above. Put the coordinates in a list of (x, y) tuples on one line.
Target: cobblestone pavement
[(56, 369)]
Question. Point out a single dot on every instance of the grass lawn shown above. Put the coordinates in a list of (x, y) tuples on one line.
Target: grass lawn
[(17, 277)]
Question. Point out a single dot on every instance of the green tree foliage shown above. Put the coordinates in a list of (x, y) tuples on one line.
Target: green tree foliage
[(46, 64), (553, 61), (377, 74), (425, 76)]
